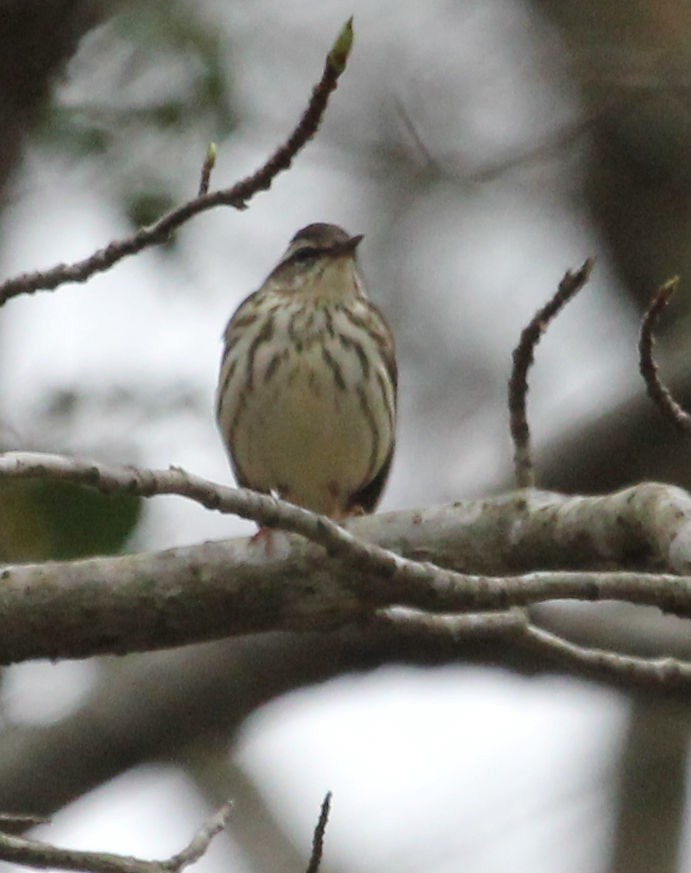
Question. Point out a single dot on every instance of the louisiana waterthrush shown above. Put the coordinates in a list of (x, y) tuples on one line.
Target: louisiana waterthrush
[(306, 399)]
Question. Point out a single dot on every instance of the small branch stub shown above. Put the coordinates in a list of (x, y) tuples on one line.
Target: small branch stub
[(207, 168)]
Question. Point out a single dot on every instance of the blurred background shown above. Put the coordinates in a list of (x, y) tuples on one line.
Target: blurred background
[(483, 149)]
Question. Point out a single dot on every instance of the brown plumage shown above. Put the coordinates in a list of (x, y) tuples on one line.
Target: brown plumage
[(306, 400)]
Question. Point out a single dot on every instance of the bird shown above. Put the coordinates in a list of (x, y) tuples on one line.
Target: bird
[(307, 390)]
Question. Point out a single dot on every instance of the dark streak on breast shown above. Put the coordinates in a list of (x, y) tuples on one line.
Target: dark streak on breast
[(263, 336), (369, 415), (335, 368)]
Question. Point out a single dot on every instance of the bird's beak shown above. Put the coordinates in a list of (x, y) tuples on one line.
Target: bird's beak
[(348, 247)]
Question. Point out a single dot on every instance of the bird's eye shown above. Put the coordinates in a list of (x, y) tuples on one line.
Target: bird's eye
[(305, 254)]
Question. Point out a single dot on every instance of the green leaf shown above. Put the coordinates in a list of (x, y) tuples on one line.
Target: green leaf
[(43, 520)]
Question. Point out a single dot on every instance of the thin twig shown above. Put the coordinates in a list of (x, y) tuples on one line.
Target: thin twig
[(318, 839), (17, 821), (657, 390), (523, 357), (265, 510), (33, 853), (415, 134), (201, 840), (513, 627), (601, 664), (235, 196), (456, 166)]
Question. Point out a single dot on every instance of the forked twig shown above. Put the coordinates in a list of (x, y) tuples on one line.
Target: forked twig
[(657, 390), (235, 196), (523, 357)]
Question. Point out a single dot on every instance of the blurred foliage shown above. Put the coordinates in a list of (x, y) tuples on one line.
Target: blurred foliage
[(154, 74), (177, 29), (72, 131), (56, 520), (145, 207)]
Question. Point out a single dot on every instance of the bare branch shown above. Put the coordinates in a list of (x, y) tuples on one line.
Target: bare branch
[(648, 517), (657, 390), (216, 590), (32, 853), (149, 601), (629, 670), (318, 839), (265, 510), (235, 196), (11, 822), (456, 166), (514, 628), (412, 623), (201, 840), (523, 357)]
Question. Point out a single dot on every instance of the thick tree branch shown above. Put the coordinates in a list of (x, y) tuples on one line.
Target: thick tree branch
[(148, 601), (647, 527), (181, 596)]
